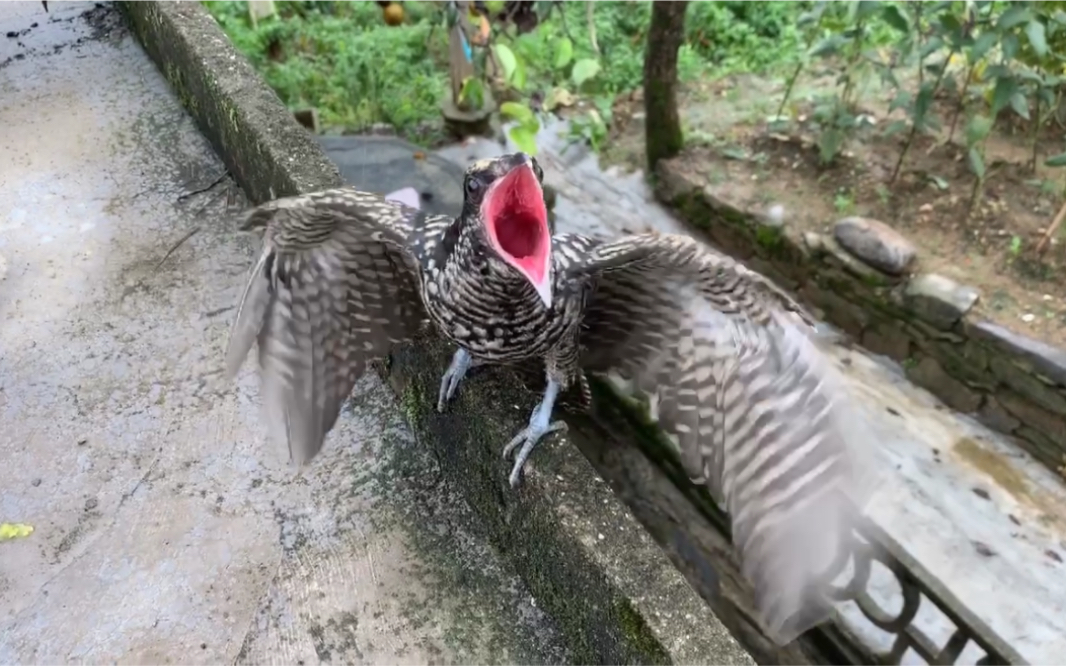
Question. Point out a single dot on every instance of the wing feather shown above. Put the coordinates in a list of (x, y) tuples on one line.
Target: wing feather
[(751, 402), (334, 288)]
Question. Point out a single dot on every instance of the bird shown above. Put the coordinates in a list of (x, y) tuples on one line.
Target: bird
[(730, 363)]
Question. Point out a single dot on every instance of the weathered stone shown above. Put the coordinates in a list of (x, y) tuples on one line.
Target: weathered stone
[(875, 243), (836, 253), (1019, 377), (993, 415), (1047, 360), (1042, 447), (939, 300), (889, 339), (1037, 418), (967, 361), (920, 329), (839, 311), (931, 376)]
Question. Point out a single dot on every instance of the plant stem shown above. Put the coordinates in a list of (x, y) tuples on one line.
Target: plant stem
[(915, 121), (1035, 133), (962, 100)]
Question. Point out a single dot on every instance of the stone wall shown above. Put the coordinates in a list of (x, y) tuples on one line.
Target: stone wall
[(860, 280)]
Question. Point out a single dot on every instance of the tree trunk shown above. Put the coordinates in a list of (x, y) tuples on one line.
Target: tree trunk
[(662, 125)]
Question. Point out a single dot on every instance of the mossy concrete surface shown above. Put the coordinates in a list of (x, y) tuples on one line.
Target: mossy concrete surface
[(266, 151), (587, 562)]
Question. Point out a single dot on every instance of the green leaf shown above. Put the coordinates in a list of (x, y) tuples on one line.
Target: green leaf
[(517, 112), (1015, 15), (518, 81), (976, 162), (524, 138), (564, 52), (495, 6), (507, 60), (1037, 35), (1056, 161), (922, 102), (1009, 45), (895, 17), (977, 129), (1005, 88), (584, 70), (866, 8), (829, 144), (934, 44), (828, 46), (1020, 104), (982, 45), (895, 127)]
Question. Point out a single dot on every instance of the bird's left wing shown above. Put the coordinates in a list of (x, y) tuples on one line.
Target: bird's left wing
[(334, 288), (736, 381)]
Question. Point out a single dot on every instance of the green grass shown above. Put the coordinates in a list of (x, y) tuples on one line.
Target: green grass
[(342, 58)]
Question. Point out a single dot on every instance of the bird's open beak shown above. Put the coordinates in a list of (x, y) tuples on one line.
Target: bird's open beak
[(517, 223)]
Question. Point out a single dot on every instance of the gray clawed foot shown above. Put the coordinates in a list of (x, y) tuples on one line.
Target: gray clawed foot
[(461, 362), (529, 437)]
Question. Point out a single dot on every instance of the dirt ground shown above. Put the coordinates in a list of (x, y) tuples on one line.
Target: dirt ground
[(728, 133)]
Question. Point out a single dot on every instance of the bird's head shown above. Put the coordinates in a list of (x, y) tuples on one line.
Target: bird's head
[(503, 197)]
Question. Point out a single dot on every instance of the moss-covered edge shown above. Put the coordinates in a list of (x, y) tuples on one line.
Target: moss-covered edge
[(271, 156), (266, 151)]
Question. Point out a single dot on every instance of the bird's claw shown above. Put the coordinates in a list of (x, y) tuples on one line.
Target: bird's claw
[(461, 362), (529, 437)]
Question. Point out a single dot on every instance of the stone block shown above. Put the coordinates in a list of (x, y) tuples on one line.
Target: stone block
[(1047, 360), (938, 300), (993, 415), (875, 243), (929, 374), (887, 338), (1034, 417), (1019, 376)]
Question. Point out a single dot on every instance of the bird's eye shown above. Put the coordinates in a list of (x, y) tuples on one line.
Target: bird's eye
[(472, 185)]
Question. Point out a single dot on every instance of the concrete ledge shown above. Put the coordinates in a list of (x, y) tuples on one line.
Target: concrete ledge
[(1013, 384), (268, 153), (577, 547)]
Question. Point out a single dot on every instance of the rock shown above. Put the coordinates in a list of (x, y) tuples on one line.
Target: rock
[(1034, 417), (1021, 380), (931, 376), (1047, 360), (994, 416), (875, 243), (887, 339), (939, 300)]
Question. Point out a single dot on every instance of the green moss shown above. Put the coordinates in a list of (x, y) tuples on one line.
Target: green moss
[(769, 238), (639, 634)]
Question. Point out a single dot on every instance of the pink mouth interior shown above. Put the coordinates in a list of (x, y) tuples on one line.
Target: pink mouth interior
[(518, 221)]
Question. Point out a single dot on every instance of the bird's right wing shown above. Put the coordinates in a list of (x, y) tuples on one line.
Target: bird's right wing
[(334, 288), (739, 385)]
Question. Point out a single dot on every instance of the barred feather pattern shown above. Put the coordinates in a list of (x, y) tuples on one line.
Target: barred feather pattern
[(735, 379), (334, 288)]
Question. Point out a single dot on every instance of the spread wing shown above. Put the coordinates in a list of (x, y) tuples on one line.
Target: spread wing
[(739, 385), (334, 288)]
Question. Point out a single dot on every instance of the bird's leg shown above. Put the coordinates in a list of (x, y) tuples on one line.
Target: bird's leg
[(461, 362), (540, 424)]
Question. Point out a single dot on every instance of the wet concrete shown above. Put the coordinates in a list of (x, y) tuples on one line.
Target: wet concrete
[(986, 519), (166, 528)]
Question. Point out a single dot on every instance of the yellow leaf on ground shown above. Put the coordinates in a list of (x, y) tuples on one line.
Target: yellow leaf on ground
[(14, 530)]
